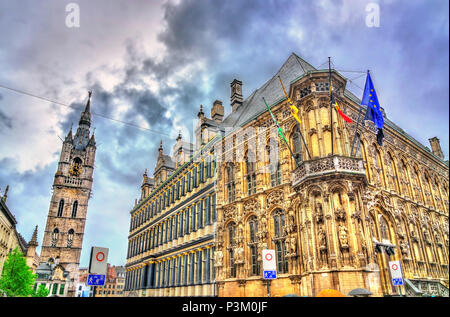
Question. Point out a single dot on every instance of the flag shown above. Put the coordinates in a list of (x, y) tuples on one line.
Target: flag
[(280, 131), (336, 106), (373, 113), (294, 109)]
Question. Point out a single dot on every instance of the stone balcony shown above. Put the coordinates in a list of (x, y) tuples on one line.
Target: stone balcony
[(330, 166)]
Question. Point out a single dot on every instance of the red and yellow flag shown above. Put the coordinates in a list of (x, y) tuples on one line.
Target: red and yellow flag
[(338, 109), (294, 109)]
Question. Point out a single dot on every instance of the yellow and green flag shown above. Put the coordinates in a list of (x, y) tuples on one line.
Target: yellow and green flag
[(294, 109), (280, 131)]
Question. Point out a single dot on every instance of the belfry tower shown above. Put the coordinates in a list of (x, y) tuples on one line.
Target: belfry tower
[(66, 219)]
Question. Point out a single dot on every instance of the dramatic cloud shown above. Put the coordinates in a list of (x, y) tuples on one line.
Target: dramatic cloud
[(152, 63)]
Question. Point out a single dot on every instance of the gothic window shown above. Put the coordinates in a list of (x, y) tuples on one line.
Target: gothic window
[(275, 174), (213, 207), (195, 177), (189, 184), (305, 91), (55, 235), (253, 244), (70, 238), (279, 240), (60, 208), (74, 209), (251, 173), (393, 172), (323, 86), (231, 235), (230, 183)]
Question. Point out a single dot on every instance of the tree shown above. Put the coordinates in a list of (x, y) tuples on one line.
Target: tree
[(42, 291), (17, 278)]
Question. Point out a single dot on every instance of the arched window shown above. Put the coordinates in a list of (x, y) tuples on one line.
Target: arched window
[(392, 172), (275, 174), (60, 208), (251, 172), (230, 186), (74, 209), (279, 240), (404, 178), (253, 244), (231, 235), (70, 238), (55, 235)]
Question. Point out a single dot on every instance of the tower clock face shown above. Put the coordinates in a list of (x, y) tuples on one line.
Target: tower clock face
[(75, 169)]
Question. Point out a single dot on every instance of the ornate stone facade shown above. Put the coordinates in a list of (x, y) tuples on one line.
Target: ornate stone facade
[(324, 215)]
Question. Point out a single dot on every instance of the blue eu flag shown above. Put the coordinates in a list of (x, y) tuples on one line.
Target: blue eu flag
[(373, 113)]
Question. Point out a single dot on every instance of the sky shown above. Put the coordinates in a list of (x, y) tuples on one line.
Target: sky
[(152, 63)]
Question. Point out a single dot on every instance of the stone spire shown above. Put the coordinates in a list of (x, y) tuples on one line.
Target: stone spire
[(33, 241), (82, 138), (201, 114), (86, 115), (69, 137), (160, 150), (5, 195)]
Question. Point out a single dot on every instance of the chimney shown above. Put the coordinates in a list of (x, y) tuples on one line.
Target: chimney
[(436, 147), (217, 111), (236, 94)]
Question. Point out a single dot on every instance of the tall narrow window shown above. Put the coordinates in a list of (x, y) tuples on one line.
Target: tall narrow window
[(279, 240), (70, 238), (74, 209), (253, 244), (231, 236), (230, 183), (275, 174), (55, 235), (251, 173), (60, 208)]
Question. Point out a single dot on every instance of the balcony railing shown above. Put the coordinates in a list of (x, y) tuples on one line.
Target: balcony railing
[(328, 165), (72, 181)]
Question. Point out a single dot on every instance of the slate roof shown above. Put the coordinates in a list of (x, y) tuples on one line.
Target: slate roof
[(293, 68)]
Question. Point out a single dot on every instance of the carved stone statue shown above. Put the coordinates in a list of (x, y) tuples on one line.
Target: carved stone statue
[(437, 237), (218, 257), (263, 228), (293, 246), (219, 235), (287, 246), (400, 232), (240, 233), (426, 236), (322, 240), (319, 213), (239, 255), (343, 238), (404, 248)]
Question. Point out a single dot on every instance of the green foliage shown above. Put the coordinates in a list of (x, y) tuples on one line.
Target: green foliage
[(42, 291), (17, 278)]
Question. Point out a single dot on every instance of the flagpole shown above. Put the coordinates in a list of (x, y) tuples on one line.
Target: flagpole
[(278, 126), (356, 130), (301, 135), (331, 106), (298, 125)]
